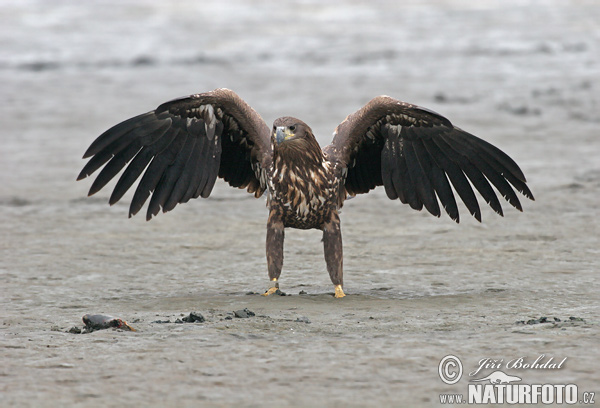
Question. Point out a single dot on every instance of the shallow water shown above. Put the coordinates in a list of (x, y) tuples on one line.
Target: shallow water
[(521, 75)]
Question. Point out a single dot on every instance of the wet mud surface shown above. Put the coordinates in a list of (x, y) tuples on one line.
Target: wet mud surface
[(524, 77)]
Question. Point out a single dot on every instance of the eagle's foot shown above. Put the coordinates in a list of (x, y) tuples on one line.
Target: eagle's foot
[(339, 292), (272, 289)]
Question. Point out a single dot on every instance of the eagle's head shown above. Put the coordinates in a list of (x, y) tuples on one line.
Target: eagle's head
[(293, 136), (288, 132)]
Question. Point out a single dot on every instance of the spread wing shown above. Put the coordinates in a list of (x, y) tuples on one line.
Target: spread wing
[(417, 154), (183, 145)]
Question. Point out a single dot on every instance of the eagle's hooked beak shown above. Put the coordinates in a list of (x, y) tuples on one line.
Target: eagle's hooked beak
[(283, 133)]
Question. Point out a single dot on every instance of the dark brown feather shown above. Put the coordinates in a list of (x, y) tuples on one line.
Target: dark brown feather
[(420, 153), (214, 162), (184, 179), (178, 149)]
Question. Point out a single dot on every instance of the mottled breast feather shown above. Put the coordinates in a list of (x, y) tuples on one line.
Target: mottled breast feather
[(303, 185)]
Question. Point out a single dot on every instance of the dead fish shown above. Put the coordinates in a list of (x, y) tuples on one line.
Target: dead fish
[(100, 322)]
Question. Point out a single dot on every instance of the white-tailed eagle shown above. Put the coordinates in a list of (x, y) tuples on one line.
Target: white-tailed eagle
[(181, 147)]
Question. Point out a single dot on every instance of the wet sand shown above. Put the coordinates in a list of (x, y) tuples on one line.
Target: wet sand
[(523, 77)]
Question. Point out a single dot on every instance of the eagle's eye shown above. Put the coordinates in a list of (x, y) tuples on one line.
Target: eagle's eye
[(293, 128)]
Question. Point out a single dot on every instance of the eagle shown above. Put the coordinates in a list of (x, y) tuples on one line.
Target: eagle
[(183, 146)]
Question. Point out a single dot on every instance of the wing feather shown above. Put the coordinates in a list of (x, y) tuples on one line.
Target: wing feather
[(154, 174), (171, 174), (197, 164), (496, 173), (131, 174), (457, 178), (114, 166), (405, 188), (184, 179), (116, 132), (497, 162), (177, 150), (204, 168), (419, 174), (213, 162), (237, 175), (420, 157), (476, 170), (388, 164)]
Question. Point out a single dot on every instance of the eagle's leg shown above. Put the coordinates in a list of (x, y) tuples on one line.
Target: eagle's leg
[(275, 235), (332, 245)]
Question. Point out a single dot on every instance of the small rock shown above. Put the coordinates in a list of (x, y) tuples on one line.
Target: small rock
[(302, 292), (576, 319), (75, 330), (540, 320), (228, 318), (243, 313), (303, 319), (95, 322), (194, 317), (161, 321)]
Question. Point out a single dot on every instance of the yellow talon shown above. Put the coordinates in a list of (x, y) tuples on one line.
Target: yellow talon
[(270, 291), (273, 289), (339, 292)]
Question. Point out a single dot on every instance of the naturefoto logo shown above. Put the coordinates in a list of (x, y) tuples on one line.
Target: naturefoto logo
[(499, 387), (498, 377)]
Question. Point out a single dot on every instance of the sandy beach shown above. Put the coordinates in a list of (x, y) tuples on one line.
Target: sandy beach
[(522, 75)]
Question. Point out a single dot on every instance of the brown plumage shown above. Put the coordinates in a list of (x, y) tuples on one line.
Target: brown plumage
[(416, 154)]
